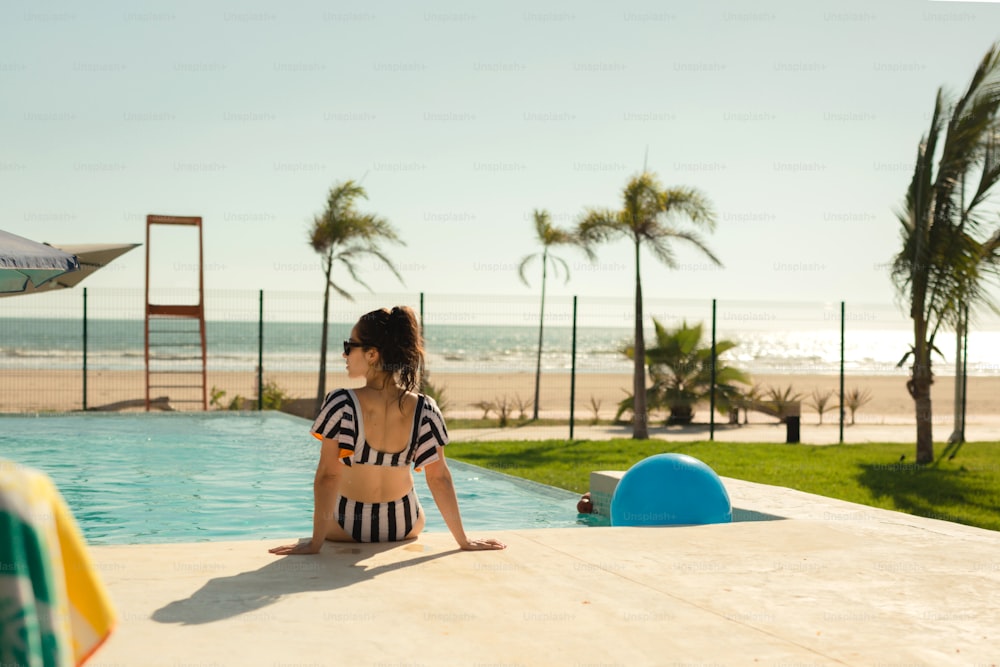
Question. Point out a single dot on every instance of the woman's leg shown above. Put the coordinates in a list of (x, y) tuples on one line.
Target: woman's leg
[(418, 526), (338, 534)]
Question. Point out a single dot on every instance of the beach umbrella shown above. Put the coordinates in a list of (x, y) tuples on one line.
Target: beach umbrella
[(92, 257), (25, 263)]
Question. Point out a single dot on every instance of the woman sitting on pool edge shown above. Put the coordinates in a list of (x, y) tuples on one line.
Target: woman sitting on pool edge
[(363, 488)]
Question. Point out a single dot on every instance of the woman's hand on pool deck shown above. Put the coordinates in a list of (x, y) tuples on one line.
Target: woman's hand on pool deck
[(302, 548), (487, 544)]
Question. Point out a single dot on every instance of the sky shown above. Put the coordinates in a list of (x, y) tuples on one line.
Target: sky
[(798, 121)]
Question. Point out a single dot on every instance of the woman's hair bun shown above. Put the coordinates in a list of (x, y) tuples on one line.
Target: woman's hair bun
[(396, 334)]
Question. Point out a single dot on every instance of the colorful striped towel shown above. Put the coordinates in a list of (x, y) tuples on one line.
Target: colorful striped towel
[(54, 610)]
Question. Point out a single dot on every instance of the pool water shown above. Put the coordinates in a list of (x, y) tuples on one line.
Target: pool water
[(189, 477)]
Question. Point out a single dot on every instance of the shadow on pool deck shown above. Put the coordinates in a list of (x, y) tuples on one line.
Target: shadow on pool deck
[(740, 514), (337, 566)]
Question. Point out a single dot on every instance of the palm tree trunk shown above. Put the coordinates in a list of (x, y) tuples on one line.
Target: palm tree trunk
[(321, 389), (541, 325), (920, 389), (640, 430)]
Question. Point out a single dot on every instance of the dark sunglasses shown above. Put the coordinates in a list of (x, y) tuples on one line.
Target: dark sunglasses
[(348, 344)]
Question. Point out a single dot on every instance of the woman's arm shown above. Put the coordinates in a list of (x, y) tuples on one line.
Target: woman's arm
[(443, 489), (325, 486), (326, 483)]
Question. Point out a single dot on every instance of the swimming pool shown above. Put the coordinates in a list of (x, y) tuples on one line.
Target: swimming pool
[(190, 477)]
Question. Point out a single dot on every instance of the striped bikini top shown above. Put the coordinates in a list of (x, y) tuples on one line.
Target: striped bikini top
[(340, 419)]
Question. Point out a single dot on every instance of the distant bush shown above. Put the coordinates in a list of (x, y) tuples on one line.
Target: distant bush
[(436, 392), (595, 410), (273, 397), (819, 401), (854, 399)]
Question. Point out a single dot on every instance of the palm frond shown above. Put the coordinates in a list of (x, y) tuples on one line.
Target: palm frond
[(989, 176), (971, 126), (942, 262), (376, 228), (543, 223), (917, 214), (341, 197), (556, 263), (352, 270), (522, 267), (549, 235), (662, 251), (600, 225), (341, 291), (663, 235), (319, 239), (689, 203), (380, 256)]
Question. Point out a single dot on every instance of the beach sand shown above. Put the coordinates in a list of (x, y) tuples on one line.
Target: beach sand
[(58, 391)]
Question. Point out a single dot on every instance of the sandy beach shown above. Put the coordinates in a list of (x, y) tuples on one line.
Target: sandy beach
[(48, 390)]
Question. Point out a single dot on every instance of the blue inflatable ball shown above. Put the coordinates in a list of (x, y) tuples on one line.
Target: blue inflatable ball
[(670, 490)]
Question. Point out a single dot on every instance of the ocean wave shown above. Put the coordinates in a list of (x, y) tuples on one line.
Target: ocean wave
[(492, 350), (36, 353)]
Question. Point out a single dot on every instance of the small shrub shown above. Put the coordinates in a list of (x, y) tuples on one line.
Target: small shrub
[(437, 393), (217, 400), (779, 402), (854, 399), (749, 399), (595, 410), (503, 407), (486, 406), (819, 401), (522, 405), (216, 397), (273, 396)]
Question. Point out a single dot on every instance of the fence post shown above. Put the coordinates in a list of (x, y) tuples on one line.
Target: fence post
[(260, 351), (423, 342), (572, 375), (841, 372), (965, 367), (711, 399), (85, 349)]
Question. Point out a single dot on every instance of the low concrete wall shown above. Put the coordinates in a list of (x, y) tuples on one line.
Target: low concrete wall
[(602, 488)]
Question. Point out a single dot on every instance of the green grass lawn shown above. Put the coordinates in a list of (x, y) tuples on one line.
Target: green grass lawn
[(965, 490)]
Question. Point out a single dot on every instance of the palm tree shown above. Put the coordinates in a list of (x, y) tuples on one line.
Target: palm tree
[(342, 234), (680, 368), (647, 217), (943, 264), (781, 402), (819, 401), (549, 235), (855, 399)]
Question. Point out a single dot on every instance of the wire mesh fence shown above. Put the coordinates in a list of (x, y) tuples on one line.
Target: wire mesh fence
[(75, 350)]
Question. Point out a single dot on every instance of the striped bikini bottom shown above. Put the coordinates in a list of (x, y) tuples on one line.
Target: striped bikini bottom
[(378, 522)]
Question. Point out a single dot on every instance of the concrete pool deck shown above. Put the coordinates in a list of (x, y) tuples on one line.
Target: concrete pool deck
[(823, 582)]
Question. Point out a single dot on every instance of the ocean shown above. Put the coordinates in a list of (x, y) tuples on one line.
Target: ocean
[(118, 344)]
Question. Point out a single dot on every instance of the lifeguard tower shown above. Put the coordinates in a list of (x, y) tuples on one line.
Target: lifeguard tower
[(175, 333)]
